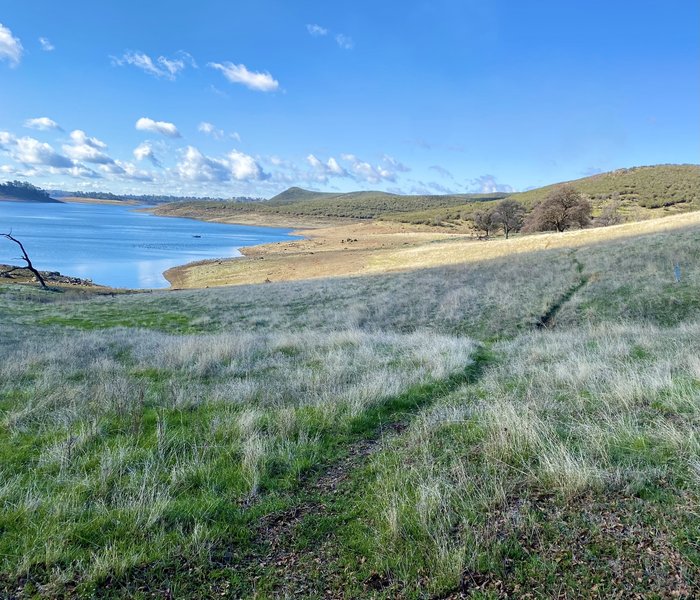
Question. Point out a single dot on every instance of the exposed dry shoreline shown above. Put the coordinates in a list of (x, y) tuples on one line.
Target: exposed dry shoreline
[(347, 248)]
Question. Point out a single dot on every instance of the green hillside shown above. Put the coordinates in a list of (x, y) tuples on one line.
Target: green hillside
[(296, 202), (647, 187), (639, 192)]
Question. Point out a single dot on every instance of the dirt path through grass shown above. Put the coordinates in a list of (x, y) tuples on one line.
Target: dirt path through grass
[(293, 554), (548, 319)]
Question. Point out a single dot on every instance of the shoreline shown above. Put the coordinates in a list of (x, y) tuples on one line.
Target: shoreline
[(376, 247)]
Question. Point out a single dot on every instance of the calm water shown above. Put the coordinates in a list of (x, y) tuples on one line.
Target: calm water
[(115, 246)]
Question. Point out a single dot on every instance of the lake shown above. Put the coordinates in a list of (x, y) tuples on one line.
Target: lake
[(114, 245)]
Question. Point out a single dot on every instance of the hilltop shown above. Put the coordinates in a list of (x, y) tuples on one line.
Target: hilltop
[(640, 192)]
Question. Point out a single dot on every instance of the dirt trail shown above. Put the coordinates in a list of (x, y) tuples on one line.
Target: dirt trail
[(277, 561), (548, 319)]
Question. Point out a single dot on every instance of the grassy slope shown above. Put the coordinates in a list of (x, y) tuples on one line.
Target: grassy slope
[(296, 202), (169, 453), (642, 192)]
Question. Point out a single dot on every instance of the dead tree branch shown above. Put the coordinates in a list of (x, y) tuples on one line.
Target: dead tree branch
[(25, 258)]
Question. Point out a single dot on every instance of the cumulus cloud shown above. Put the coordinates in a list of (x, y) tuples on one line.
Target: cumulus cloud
[(82, 172), (126, 170), (210, 129), (236, 165), (145, 151), (42, 124), (344, 41), (258, 81), (87, 149), (395, 164), (316, 30), (163, 67), (322, 171), (358, 169), (10, 46), (29, 151), (46, 44), (364, 171), (243, 167), (162, 127), (487, 184)]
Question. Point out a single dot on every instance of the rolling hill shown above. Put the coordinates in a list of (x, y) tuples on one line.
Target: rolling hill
[(641, 192)]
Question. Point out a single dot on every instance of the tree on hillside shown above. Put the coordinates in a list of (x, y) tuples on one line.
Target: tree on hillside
[(484, 221), (563, 209), (610, 215), (25, 258), (509, 214)]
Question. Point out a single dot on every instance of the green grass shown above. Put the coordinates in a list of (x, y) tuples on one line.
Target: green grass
[(418, 434), (639, 193)]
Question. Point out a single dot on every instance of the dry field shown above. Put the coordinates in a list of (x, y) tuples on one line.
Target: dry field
[(362, 248)]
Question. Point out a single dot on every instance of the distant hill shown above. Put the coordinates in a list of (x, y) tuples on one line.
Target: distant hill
[(648, 187), (21, 191), (639, 192), (363, 204)]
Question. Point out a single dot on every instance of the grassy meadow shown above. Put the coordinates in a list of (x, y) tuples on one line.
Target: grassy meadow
[(426, 433)]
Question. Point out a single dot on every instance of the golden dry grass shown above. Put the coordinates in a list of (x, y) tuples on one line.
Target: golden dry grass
[(389, 247)]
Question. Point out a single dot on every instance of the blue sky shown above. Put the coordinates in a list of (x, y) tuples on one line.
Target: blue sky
[(232, 98)]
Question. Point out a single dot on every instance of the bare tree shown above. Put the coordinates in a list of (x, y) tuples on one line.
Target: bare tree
[(25, 258), (484, 221), (509, 214), (562, 209), (610, 215)]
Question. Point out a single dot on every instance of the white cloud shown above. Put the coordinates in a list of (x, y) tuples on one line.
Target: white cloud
[(237, 166), (127, 170), (88, 149), (82, 172), (395, 164), (42, 124), (259, 81), (322, 171), (194, 166), (243, 167), (344, 41), (145, 151), (316, 30), (164, 67), (6, 139), (10, 46), (487, 184), (209, 129), (335, 168), (162, 127), (364, 171), (46, 44), (33, 152)]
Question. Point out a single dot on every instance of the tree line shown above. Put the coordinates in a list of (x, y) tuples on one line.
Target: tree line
[(564, 208), (22, 190)]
